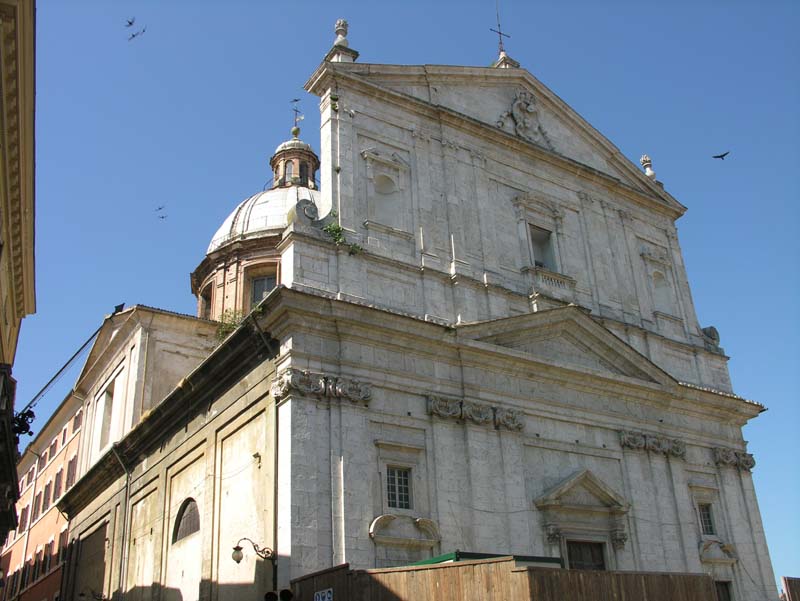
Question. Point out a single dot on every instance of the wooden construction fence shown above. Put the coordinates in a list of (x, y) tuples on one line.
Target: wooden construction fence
[(496, 580), (791, 588)]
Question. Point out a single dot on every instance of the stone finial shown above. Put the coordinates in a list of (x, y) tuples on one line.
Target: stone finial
[(341, 33), (647, 164), (341, 51)]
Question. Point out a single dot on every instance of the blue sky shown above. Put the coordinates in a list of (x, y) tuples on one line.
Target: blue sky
[(188, 114)]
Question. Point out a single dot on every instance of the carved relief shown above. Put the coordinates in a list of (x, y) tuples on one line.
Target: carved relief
[(524, 115), (444, 407), (308, 383), (739, 459), (654, 444), (480, 414), (508, 419), (459, 409)]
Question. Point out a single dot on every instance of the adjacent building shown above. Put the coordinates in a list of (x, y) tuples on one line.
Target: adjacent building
[(17, 281), (138, 355), (476, 333)]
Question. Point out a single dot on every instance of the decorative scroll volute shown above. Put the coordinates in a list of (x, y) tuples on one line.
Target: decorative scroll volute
[(639, 441)]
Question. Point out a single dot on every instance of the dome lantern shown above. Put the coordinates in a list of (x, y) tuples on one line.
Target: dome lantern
[(294, 163)]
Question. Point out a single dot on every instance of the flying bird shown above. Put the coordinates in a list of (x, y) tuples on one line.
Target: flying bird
[(136, 34), (162, 217), (130, 22), (721, 156), (161, 208)]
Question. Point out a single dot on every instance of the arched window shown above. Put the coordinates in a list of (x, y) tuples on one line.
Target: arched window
[(304, 173), (188, 520), (288, 171)]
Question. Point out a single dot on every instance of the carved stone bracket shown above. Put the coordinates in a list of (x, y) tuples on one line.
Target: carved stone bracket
[(729, 457), (618, 538), (553, 533), (320, 385), (478, 413), (639, 441)]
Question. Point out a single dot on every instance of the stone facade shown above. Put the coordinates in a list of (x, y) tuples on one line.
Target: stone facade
[(482, 338)]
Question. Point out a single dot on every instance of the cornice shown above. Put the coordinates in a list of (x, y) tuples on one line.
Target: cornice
[(17, 32)]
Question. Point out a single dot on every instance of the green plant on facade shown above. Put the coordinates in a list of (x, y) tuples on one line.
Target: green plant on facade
[(336, 233), (228, 322)]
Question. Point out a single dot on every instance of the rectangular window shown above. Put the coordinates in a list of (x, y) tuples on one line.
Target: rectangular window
[(398, 487), (72, 471), (23, 519), (723, 590), (57, 482), (42, 461), (64, 436), (53, 449), (108, 411), (706, 520), (37, 565), (31, 475), (260, 287), (542, 248), (48, 489), (63, 541), (585, 556), (37, 505), (48, 558), (76, 421)]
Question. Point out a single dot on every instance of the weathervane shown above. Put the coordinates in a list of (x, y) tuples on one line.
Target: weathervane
[(499, 30), (298, 116)]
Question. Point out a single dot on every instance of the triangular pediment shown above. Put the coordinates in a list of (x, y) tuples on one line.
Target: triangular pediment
[(568, 337), (515, 102), (583, 490)]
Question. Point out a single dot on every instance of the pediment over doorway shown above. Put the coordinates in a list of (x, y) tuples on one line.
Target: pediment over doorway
[(583, 491)]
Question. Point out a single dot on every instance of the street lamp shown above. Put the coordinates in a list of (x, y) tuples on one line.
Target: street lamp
[(262, 552)]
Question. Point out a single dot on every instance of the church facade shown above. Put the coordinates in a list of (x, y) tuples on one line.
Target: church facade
[(475, 333)]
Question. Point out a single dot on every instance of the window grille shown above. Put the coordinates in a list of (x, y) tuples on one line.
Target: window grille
[(187, 522)]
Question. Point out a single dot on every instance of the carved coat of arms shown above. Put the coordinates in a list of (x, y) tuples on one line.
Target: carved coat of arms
[(524, 115)]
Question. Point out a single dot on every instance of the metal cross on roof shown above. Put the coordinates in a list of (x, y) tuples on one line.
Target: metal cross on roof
[(499, 30)]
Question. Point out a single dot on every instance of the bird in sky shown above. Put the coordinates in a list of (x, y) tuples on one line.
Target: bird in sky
[(130, 22), (162, 217), (721, 156), (161, 208), (136, 34)]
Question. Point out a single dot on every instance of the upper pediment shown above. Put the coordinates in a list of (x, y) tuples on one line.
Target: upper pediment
[(515, 102), (567, 337)]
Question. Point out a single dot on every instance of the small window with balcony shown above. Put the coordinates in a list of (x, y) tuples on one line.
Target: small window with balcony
[(542, 248)]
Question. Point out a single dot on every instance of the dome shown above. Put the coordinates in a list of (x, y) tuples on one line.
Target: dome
[(294, 144), (261, 214)]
